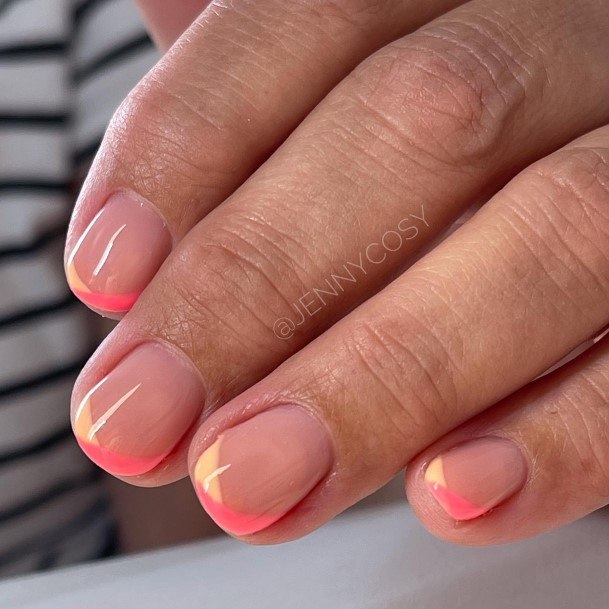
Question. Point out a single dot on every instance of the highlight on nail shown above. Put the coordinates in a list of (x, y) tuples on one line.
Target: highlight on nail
[(118, 254), (476, 476), (86, 429), (132, 419), (256, 472)]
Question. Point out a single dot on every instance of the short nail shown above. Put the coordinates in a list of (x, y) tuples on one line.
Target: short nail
[(118, 254), (256, 472), (134, 417), (474, 477)]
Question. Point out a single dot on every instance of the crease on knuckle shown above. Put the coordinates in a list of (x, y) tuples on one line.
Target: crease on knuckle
[(574, 212), (255, 264), (193, 312), (161, 128), (265, 253), (455, 88), (582, 174), (586, 432), (350, 12), (413, 377)]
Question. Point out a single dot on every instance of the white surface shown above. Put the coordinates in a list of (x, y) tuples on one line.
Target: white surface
[(377, 558)]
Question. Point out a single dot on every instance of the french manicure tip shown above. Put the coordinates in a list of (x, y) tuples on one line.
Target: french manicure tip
[(112, 303), (116, 463), (234, 522), (454, 505)]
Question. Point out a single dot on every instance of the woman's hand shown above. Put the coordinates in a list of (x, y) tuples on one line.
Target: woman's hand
[(245, 351)]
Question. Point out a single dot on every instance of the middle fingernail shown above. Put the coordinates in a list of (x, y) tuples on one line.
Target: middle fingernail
[(257, 471), (136, 415)]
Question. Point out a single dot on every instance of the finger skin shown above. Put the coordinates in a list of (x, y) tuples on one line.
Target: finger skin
[(198, 124), (167, 20), (218, 297), (560, 424), (472, 322)]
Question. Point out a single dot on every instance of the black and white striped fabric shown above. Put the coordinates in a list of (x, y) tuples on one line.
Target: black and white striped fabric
[(64, 66)]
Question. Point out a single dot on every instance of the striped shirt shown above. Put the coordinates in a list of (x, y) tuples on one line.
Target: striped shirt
[(64, 67)]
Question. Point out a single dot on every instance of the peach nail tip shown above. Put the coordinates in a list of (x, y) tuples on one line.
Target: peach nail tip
[(434, 474), (116, 463)]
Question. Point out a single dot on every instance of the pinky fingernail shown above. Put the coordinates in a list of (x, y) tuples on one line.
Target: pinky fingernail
[(472, 478)]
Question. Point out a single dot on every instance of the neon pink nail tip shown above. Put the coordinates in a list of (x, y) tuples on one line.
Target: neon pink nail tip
[(456, 506), (113, 303), (117, 464), (233, 522)]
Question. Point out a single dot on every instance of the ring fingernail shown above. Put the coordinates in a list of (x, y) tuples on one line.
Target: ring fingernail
[(474, 477), (118, 254), (134, 417), (256, 472)]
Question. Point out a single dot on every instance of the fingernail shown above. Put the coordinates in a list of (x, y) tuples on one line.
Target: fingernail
[(476, 476), (134, 417), (118, 254), (258, 471)]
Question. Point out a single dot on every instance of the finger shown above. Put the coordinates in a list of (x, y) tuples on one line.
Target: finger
[(167, 20), (470, 323), (556, 431), (203, 119), (218, 298)]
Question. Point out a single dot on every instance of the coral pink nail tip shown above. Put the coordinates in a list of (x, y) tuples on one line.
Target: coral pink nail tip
[(113, 303), (117, 464), (233, 522), (454, 505)]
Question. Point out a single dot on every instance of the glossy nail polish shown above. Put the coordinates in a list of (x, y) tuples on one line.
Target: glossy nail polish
[(474, 477), (257, 471), (118, 254), (134, 417)]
